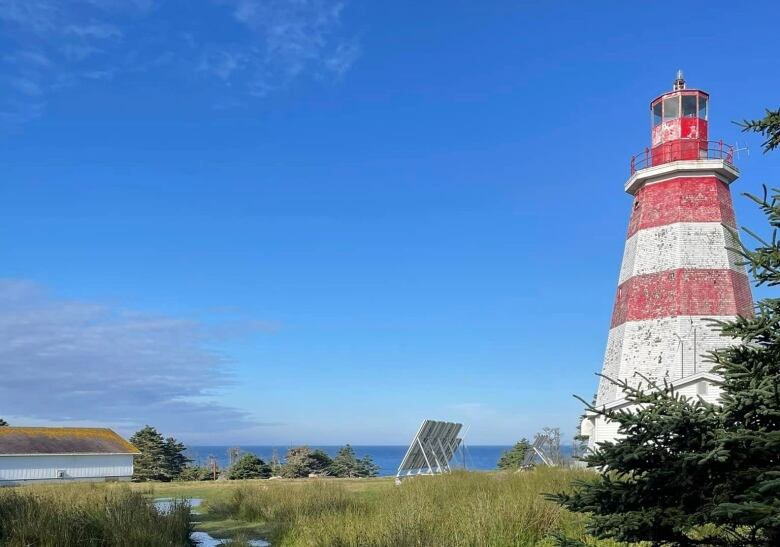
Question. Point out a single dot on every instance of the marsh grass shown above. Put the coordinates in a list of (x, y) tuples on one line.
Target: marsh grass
[(87, 515), (458, 510)]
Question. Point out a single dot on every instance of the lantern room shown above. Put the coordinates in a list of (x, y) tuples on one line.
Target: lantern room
[(679, 120)]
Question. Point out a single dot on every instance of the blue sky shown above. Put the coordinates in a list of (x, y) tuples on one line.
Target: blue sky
[(302, 221)]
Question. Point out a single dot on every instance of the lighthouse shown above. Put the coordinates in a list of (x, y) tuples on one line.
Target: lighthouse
[(678, 271)]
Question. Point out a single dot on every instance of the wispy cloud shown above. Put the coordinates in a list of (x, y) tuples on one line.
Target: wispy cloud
[(101, 31), (26, 87), (271, 43), (223, 62), (35, 16), (88, 362), (47, 44), (286, 39)]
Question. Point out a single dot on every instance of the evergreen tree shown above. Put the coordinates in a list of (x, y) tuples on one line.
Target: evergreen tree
[(367, 467), (347, 464), (513, 458), (296, 462), (160, 459), (175, 460), (691, 473), (748, 447), (657, 485), (319, 462), (768, 126), (150, 464), (249, 466), (301, 461), (3, 423)]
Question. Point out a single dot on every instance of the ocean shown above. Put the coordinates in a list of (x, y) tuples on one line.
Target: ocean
[(388, 458)]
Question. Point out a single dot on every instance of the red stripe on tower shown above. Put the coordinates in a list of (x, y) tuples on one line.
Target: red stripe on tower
[(709, 293), (682, 199)]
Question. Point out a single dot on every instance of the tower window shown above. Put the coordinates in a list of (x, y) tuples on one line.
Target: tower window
[(657, 114), (689, 106)]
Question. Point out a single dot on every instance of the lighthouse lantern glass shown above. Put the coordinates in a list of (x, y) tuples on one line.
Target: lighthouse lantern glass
[(671, 108), (689, 106), (657, 118), (703, 107)]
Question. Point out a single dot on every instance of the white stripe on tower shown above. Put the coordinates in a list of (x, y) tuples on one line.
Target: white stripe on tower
[(689, 245), (651, 348)]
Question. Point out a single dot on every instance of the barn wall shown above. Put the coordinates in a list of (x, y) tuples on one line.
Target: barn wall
[(76, 467)]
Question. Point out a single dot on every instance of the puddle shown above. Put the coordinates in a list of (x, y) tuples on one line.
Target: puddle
[(164, 504), (202, 539)]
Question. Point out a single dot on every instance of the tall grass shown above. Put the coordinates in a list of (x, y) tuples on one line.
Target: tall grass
[(457, 510), (87, 515)]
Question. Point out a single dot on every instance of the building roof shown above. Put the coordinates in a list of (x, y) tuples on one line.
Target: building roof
[(62, 440), (710, 377)]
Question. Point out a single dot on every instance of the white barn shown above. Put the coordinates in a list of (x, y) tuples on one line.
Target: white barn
[(63, 454)]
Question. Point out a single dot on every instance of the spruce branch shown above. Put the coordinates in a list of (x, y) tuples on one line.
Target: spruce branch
[(768, 126)]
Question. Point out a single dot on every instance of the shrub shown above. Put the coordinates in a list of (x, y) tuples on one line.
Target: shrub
[(194, 473), (249, 466)]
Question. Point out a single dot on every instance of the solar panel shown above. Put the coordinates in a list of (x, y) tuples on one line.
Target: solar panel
[(432, 449)]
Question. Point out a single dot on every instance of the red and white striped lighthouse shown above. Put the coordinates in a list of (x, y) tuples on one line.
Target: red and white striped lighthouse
[(677, 269)]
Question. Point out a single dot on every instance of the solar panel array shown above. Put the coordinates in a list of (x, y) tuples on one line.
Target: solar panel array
[(432, 448)]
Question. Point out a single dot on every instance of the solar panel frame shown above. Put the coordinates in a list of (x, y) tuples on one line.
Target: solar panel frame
[(432, 448)]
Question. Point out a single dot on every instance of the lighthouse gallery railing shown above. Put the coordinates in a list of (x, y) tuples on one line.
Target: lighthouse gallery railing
[(682, 150)]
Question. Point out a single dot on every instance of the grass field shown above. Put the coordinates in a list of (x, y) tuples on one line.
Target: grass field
[(81, 514), (464, 509), (461, 509), (214, 494)]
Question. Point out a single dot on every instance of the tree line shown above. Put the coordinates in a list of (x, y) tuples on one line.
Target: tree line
[(164, 459)]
